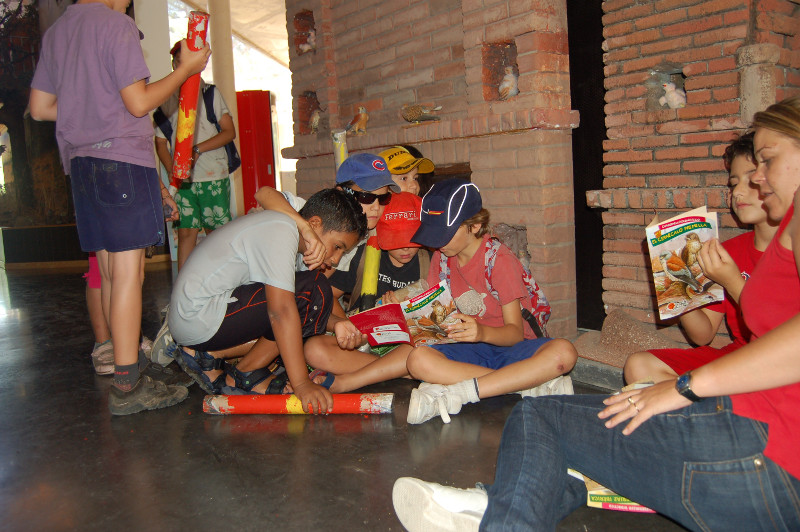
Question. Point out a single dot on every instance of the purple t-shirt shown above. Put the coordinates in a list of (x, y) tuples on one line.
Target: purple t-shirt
[(87, 57)]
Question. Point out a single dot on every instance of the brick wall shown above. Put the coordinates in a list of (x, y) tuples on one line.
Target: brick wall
[(734, 58), (384, 54)]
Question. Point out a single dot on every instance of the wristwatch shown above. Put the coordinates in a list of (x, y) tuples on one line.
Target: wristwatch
[(684, 387), (196, 149)]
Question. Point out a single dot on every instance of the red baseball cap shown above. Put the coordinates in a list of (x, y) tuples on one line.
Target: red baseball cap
[(399, 222)]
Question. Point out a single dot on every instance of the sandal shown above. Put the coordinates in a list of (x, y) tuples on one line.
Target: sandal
[(329, 378), (245, 381), (195, 365)]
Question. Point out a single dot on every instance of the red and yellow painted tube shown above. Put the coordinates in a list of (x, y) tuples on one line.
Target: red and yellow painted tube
[(369, 283), (343, 403), (187, 106)]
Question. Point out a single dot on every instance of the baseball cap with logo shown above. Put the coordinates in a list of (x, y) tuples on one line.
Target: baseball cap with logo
[(366, 170), (446, 205), (399, 222), (400, 161)]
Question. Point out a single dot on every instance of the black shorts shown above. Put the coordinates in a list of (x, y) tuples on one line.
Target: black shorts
[(247, 319)]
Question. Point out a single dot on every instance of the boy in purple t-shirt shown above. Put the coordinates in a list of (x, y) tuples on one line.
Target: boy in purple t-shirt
[(92, 80)]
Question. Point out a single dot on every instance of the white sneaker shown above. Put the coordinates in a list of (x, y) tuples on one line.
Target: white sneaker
[(429, 507), (431, 400), (160, 353), (561, 385)]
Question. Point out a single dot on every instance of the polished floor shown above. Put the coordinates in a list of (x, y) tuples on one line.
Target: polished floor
[(66, 464)]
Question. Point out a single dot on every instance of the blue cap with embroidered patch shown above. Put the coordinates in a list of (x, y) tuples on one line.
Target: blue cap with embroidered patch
[(366, 170), (446, 205)]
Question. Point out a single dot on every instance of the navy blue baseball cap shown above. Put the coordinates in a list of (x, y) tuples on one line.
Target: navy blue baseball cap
[(444, 208), (366, 170)]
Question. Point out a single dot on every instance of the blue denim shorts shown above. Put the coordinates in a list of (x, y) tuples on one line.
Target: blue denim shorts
[(117, 205), (489, 355)]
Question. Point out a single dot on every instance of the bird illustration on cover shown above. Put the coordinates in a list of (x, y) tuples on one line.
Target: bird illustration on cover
[(359, 122), (691, 249), (416, 113), (508, 86), (676, 270)]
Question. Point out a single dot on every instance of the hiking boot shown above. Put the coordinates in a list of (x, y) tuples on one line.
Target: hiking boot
[(164, 347), (103, 358), (146, 395), (170, 376), (561, 385), (429, 507), (431, 400)]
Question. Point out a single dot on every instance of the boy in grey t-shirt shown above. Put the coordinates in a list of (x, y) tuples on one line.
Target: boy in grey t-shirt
[(240, 285)]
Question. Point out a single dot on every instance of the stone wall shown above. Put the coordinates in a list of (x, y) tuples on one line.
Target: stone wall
[(383, 55), (733, 58)]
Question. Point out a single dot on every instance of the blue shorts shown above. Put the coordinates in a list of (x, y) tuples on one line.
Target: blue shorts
[(117, 205), (491, 356)]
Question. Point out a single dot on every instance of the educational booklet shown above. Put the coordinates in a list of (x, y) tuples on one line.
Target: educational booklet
[(680, 283), (420, 320), (598, 496)]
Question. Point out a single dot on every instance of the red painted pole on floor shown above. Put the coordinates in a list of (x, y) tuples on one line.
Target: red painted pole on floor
[(187, 106), (343, 403)]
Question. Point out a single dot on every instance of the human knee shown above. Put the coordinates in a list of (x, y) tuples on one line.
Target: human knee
[(562, 352), (318, 350), (419, 362), (637, 366)]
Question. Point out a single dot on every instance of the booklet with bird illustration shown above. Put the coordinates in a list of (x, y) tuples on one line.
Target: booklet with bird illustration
[(419, 320), (680, 283)]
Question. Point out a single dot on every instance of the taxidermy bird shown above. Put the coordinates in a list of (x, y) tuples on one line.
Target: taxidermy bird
[(691, 249), (508, 86), (313, 122), (310, 44), (676, 270), (359, 122), (673, 98), (419, 113)]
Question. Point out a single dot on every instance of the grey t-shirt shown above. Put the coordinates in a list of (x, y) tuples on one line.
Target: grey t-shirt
[(257, 248)]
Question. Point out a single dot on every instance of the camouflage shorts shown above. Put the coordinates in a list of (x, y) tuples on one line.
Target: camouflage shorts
[(204, 205)]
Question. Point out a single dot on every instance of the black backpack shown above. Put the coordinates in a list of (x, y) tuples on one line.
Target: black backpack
[(234, 161)]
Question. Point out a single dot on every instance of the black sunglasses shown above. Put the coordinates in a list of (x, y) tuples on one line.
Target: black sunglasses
[(368, 198)]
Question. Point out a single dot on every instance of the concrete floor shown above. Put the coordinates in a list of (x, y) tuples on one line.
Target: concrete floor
[(66, 464)]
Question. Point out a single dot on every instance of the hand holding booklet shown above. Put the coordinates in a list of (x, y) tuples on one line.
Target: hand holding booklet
[(420, 320), (679, 280)]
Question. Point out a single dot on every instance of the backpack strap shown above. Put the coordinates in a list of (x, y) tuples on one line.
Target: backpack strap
[(162, 122), (208, 100)]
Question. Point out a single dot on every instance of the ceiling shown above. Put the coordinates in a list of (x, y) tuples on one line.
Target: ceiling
[(260, 23)]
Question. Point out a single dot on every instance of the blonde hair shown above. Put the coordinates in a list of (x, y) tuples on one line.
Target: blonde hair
[(782, 117), (481, 218)]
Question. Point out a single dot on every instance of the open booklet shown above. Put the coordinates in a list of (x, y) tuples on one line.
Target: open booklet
[(420, 320), (680, 283)]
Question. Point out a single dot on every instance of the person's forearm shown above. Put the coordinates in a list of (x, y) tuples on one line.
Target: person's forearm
[(163, 154), (217, 141), (507, 335), (140, 97), (767, 362)]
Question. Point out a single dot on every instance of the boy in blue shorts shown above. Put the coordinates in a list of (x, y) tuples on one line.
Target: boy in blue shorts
[(92, 80)]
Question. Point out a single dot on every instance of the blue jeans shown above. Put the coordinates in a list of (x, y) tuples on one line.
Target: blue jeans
[(702, 466)]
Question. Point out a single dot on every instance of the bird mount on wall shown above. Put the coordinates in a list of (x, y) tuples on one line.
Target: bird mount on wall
[(508, 87), (416, 113), (358, 125)]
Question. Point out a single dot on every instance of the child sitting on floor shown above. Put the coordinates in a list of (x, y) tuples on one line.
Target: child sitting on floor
[(402, 262), (240, 285), (498, 351), (730, 264)]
